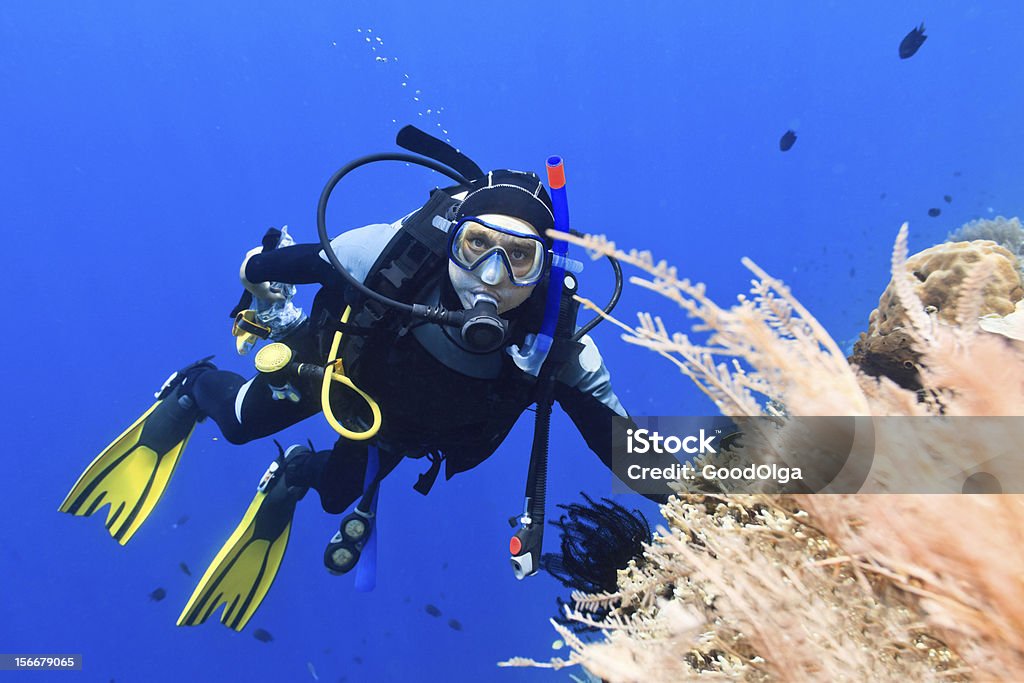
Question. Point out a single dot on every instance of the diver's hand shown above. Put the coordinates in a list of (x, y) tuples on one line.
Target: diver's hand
[(260, 290)]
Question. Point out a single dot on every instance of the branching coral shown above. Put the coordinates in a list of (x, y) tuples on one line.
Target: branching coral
[(783, 348), (795, 588)]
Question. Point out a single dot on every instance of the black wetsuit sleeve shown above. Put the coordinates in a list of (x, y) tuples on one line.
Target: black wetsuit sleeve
[(593, 419), (299, 264)]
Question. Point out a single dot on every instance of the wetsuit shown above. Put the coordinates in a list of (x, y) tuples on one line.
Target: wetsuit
[(429, 409)]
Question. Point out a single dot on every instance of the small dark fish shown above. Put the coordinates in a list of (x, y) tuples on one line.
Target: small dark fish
[(933, 212), (454, 623), (912, 42), (948, 198), (957, 174), (444, 565), (853, 272), (432, 610), (262, 635), (181, 522), (184, 567), (406, 600), (158, 595), (883, 195), (357, 659), (787, 140)]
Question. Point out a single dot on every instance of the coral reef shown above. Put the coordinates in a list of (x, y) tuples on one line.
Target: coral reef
[(1006, 232), (886, 349), (838, 588), (1011, 326)]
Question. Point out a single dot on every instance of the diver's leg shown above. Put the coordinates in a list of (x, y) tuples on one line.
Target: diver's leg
[(338, 475), (131, 474), (247, 410), (343, 481)]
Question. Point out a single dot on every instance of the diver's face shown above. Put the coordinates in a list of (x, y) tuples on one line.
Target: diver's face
[(490, 279)]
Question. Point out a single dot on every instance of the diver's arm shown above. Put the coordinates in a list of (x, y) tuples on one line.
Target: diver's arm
[(584, 391), (260, 290), (299, 264), (303, 264)]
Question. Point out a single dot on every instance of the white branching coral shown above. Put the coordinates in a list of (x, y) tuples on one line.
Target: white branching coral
[(767, 346)]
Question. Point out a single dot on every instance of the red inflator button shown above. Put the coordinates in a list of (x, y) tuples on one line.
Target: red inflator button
[(515, 546)]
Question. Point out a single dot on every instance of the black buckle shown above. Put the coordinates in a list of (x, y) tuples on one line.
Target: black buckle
[(425, 481)]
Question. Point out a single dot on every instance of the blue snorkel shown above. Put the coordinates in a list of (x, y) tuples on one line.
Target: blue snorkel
[(534, 354), (559, 319), (560, 209)]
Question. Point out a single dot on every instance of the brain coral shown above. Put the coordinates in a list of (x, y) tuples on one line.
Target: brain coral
[(939, 271), (1006, 232)]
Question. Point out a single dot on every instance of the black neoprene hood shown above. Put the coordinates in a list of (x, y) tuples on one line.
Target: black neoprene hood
[(511, 193)]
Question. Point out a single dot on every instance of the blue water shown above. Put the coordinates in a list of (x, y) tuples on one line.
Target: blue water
[(144, 150)]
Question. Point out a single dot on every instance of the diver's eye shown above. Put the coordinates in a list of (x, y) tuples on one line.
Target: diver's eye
[(477, 244), (518, 255)]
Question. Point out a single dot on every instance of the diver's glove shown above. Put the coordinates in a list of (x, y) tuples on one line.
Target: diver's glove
[(272, 301)]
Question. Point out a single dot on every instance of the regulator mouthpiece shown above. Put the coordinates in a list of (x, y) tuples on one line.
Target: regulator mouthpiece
[(483, 329)]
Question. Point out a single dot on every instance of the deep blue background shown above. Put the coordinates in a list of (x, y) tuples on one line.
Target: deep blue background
[(143, 150)]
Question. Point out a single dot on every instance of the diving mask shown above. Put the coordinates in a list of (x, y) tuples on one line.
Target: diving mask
[(476, 245)]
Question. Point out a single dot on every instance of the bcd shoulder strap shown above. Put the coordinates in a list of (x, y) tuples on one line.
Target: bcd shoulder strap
[(409, 263)]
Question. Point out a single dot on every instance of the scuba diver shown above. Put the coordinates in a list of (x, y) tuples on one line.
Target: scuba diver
[(429, 337)]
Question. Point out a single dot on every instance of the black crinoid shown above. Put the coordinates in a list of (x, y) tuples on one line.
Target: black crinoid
[(597, 540)]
